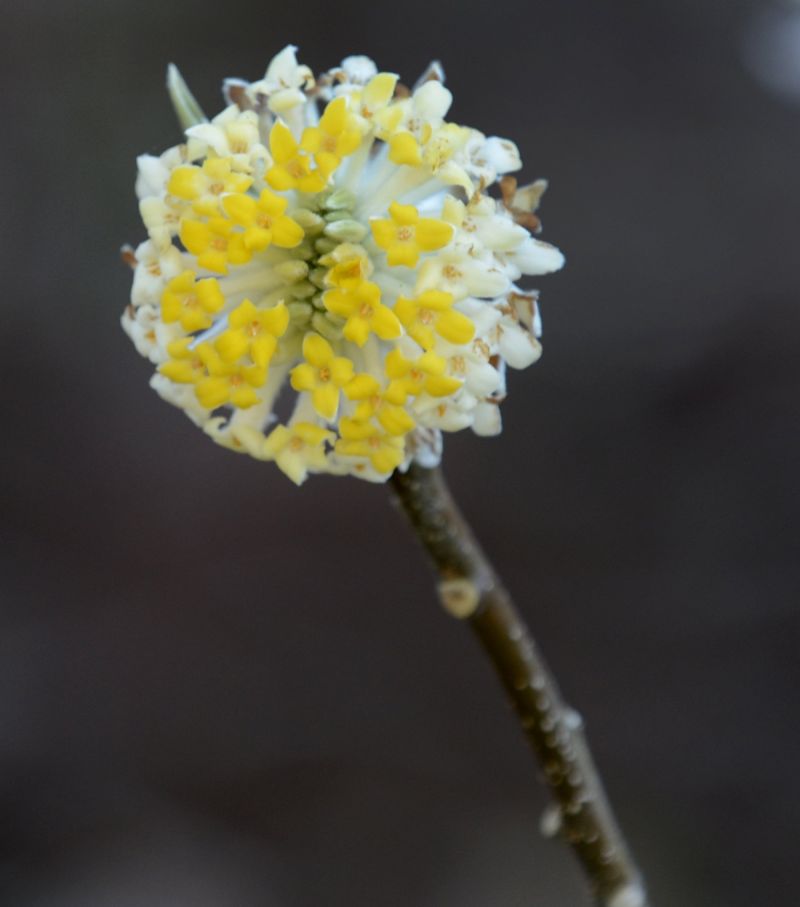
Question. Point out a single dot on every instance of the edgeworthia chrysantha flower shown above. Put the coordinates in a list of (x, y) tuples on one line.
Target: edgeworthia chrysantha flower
[(339, 242)]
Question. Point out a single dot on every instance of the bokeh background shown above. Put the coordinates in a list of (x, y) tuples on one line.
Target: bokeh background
[(218, 690)]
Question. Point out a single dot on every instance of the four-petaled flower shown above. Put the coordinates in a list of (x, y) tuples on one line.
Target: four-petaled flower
[(424, 374), (405, 235), (227, 382), (432, 313), (364, 311), (254, 332), (298, 448), (334, 138), (383, 404), (204, 186), (362, 439), (214, 243), (264, 220), (322, 375), (191, 302), (292, 167)]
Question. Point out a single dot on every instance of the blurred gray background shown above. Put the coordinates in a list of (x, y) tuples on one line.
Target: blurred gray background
[(206, 699)]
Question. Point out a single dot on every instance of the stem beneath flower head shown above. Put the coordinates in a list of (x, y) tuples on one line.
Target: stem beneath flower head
[(470, 589)]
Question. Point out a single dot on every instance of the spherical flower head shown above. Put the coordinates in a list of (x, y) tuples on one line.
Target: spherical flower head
[(337, 239)]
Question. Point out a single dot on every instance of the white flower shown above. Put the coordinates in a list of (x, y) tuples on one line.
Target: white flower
[(232, 134), (335, 238), (285, 83), (154, 266)]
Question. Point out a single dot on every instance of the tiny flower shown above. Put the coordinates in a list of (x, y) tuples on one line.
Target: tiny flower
[(190, 301), (322, 375), (432, 313), (365, 313), (375, 96), (252, 332), (292, 167), (334, 138), (298, 449), (410, 123), (214, 243), (186, 364), (361, 439), (234, 137), (148, 332), (153, 267), (426, 374), (203, 186), (263, 220), (332, 243), (284, 84), (384, 405), (348, 265), (227, 382), (405, 235)]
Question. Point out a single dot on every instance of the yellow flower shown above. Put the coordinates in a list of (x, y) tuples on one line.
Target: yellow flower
[(334, 138), (364, 311), (348, 265), (432, 313), (214, 243), (425, 374), (264, 220), (226, 382), (203, 186), (253, 331), (298, 448), (322, 375), (292, 167), (191, 302), (360, 439), (383, 405), (185, 365), (375, 95), (408, 124), (406, 234)]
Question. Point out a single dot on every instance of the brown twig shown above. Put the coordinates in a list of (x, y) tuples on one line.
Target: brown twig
[(470, 589)]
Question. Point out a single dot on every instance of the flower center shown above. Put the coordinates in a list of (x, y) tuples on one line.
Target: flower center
[(405, 233)]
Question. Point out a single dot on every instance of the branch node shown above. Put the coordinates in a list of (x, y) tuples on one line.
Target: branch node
[(551, 821), (459, 596), (630, 895)]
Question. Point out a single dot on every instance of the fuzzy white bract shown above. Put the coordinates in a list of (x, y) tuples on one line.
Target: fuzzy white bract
[(338, 241)]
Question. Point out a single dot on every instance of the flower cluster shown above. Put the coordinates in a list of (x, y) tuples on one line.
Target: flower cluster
[(335, 239)]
